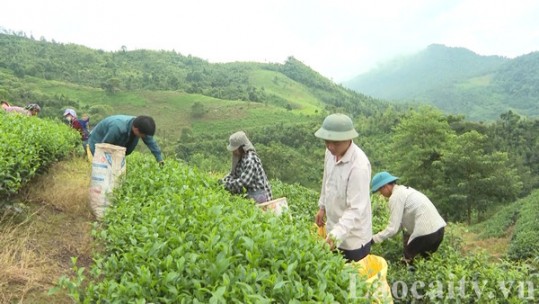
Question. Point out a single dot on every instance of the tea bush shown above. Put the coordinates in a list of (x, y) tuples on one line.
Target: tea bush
[(451, 277), (174, 235), (525, 241), (28, 145), (497, 225)]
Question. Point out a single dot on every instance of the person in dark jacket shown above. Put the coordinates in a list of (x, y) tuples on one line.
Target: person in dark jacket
[(125, 131)]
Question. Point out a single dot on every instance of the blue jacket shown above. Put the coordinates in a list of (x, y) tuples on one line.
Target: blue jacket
[(116, 130)]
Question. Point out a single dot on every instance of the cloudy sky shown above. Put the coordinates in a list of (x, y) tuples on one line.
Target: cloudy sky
[(338, 38)]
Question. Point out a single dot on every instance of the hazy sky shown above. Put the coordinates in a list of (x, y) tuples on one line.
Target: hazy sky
[(338, 38)]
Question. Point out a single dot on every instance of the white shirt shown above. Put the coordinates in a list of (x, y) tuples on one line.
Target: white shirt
[(345, 196), (412, 211)]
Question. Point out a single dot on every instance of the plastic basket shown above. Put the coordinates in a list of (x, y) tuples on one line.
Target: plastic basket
[(277, 206)]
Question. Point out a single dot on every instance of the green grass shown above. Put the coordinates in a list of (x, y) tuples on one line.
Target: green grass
[(279, 85), (172, 109), (481, 81), (249, 115), (83, 94)]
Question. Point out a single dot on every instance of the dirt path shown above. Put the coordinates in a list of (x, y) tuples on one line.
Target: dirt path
[(36, 245), (496, 248)]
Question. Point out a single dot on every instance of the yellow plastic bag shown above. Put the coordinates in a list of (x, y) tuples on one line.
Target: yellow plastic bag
[(321, 231), (374, 268), (89, 154)]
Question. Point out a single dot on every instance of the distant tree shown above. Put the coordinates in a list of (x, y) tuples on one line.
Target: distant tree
[(518, 137), (417, 146), (99, 111), (474, 179), (173, 82), (111, 86), (197, 110)]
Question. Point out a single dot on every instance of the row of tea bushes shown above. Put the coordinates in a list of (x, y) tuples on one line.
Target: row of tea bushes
[(30, 144), (525, 240), (522, 215), (453, 275), (174, 236)]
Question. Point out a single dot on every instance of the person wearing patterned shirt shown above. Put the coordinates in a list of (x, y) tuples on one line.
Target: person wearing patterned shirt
[(412, 211), (247, 174)]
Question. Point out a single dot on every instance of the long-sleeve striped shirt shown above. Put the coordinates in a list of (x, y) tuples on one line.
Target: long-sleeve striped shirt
[(248, 174), (412, 211)]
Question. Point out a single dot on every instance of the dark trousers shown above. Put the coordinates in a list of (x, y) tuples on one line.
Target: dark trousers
[(424, 245), (356, 254)]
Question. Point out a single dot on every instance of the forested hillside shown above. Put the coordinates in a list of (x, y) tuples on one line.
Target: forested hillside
[(457, 81), (520, 78), (124, 70)]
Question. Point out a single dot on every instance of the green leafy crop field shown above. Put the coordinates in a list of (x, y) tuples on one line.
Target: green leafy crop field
[(29, 145)]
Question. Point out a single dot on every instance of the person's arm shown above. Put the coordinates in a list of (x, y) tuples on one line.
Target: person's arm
[(247, 175), (321, 200), (357, 200), (396, 209), (154, 147), (319, 217)]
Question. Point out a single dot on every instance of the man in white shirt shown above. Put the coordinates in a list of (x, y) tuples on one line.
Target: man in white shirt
[(345, 197), (412, 211)]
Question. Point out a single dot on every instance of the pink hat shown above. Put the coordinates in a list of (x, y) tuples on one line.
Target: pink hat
[(70, 112)]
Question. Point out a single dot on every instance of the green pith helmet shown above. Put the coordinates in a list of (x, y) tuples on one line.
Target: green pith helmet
[(381, 179), (337, 127)]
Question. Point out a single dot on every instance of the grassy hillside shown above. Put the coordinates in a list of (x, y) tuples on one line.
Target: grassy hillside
[(458, 81), (298, 96), (179, 91), (173, 109), (121, 71)]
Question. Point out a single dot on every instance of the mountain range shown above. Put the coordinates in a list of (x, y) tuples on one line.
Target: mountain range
[(458, 81)]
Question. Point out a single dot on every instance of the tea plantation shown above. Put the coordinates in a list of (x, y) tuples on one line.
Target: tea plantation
[(28, 145), (173, 235)]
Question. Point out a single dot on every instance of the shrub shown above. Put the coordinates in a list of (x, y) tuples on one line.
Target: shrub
[(28, 145), (525, 241), (174, 235)]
